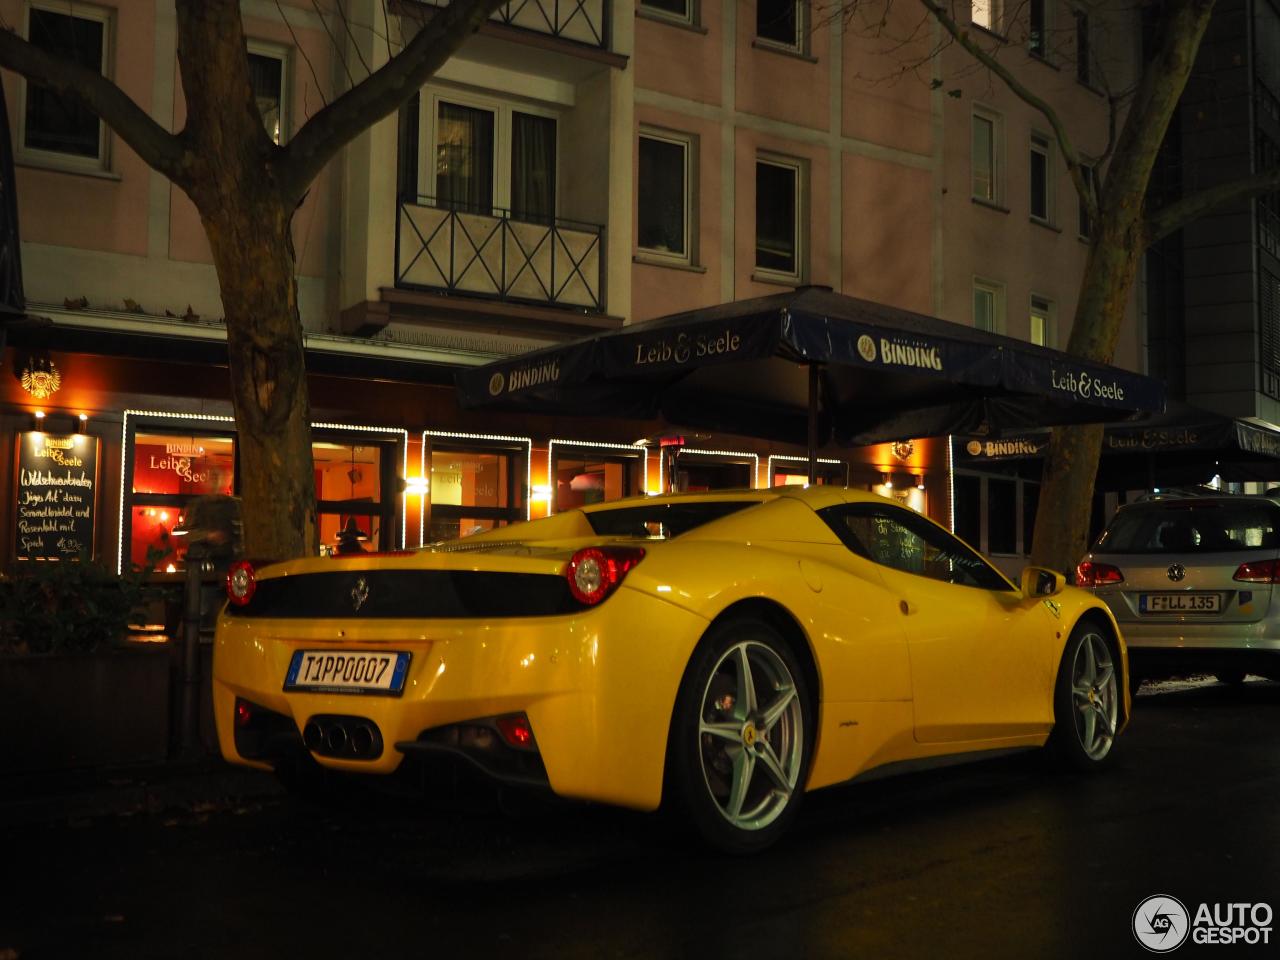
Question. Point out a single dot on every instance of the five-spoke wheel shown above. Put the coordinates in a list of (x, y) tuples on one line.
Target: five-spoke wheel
[(1086, 699), (741, 736)]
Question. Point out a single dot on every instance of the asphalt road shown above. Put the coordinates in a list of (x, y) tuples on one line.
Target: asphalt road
[(998, 859)]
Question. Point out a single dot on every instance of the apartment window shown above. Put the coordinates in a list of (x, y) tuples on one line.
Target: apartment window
[(985, 14), (58, 128), (987, 143), (1037, 27), (490, 156), (988, 306), (1082, 47), (674, 9), (1082, 213), (267, 78), (1041, 314), (779, 216), (1041, 177), (781, 22), (664, 196)]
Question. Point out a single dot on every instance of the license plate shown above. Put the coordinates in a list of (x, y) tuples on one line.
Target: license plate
[(1180, 602), (348, 671)]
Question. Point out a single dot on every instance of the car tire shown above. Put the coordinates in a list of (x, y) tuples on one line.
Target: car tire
[(738, 756), (1086, 700), (1232, 678)]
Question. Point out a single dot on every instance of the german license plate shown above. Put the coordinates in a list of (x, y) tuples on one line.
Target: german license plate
[(348, 671), (1179, 602)]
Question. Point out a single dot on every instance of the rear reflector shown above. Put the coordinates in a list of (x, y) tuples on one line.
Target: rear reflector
[(595, 572), (244, 712), (1259, 571), (515, 729), (1090, 574)]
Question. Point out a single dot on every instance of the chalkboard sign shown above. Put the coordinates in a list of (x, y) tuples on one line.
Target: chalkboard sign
[(57, 496)]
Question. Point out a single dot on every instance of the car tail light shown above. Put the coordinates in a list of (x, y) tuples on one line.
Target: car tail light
[(1259, 571), (515, 729), (595, 572), (241, 582), (1090, 574)]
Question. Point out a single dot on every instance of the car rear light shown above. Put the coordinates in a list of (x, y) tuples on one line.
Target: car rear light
[(515, 729), (1259, 571), (1090, 574), (595, 572), (241, 582)]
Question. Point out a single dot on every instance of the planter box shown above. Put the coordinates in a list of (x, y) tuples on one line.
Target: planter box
[(84, 710)]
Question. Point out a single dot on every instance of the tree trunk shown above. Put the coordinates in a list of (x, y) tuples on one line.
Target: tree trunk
[(1071, 466), (253, 250), (232, 175)]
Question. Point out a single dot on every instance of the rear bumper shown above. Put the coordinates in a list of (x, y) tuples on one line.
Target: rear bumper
[(1261, 635), (598, 692)]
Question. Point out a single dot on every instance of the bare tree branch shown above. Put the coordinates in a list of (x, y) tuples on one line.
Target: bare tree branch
[(297, 45), (1179, 213), (379, 94), (157, 147), (1021, 91)]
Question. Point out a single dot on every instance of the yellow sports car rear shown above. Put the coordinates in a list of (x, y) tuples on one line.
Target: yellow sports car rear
[(725, 651)]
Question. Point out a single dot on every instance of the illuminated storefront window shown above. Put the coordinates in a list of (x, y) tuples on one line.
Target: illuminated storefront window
[(169, 471), (172, 461), (583, 476), (794, 471), (349, 484), (696, 471), (473, 490)]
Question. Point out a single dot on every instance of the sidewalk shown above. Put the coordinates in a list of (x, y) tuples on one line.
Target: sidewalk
[(208, 784)]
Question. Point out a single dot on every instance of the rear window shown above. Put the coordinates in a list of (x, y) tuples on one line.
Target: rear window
[(665, 520), (1192, 527)]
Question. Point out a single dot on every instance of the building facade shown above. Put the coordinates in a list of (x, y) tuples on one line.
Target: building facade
[(575, 167)]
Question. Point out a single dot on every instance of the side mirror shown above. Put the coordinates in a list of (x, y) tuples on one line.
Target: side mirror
[(1040, 582)]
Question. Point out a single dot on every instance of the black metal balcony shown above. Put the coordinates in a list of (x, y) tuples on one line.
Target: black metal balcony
[(582, 21), (493, 254)]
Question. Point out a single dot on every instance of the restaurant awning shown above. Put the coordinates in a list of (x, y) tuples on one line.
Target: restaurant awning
[(812, 364), (1184, 445)]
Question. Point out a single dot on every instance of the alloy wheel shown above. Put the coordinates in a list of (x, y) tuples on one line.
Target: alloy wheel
[(1094, 696)]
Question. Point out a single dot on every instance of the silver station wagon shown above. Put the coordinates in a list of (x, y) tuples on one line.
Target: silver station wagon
[(1191, 581)]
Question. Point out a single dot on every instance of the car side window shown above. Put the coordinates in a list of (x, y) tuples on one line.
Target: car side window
[(906, 541)]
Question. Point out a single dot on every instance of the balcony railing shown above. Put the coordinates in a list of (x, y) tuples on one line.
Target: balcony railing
[(491, 254), (582, 21)]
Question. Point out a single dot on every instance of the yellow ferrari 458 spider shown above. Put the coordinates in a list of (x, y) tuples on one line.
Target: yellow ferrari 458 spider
[(724, 651)]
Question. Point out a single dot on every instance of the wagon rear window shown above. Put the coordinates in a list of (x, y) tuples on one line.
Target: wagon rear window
[(665, 520), (1193, 527)]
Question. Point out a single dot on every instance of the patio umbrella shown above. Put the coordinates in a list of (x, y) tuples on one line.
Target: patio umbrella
[(809, 366)]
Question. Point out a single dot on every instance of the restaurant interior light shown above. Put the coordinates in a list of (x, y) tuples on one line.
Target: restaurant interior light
[(888, 480), (417, 486), (81, 422), (919, 483)]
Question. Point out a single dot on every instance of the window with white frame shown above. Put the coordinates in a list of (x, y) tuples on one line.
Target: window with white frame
[(664, 216), (1041, 326), (986, 14), (268, 76), (781, 23), (61, 130), (1041, 178), (1037, 28), (485, 156), (988, 305), (780, 217), (681, 10), (986, 155)]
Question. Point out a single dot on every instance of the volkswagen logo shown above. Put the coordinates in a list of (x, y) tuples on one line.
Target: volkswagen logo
[(359, 593), (1176, 572)]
